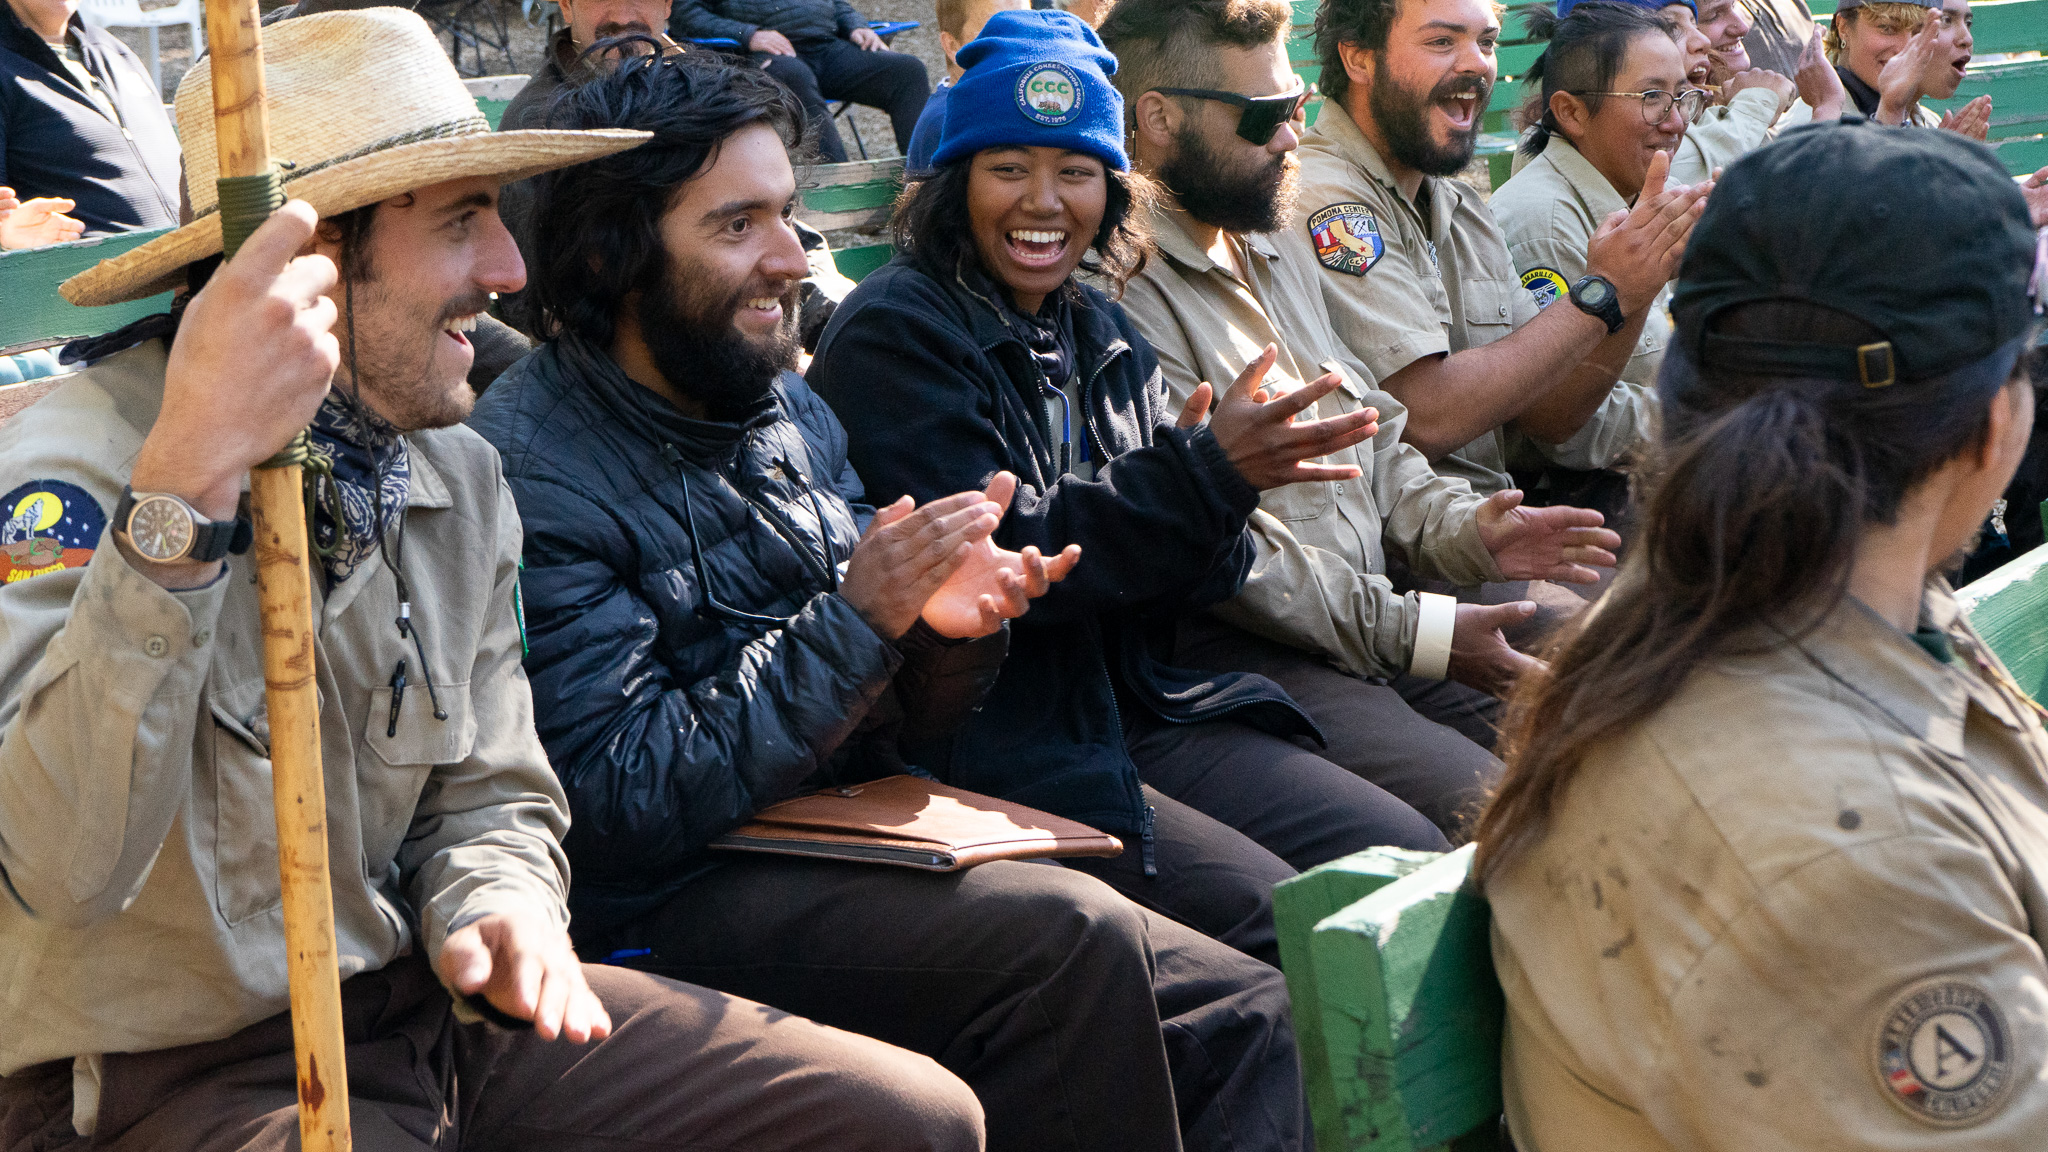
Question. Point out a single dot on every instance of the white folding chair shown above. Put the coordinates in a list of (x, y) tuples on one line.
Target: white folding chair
[(131, 14)]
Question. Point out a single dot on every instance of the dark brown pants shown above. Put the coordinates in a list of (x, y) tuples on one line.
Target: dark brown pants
[(1083, 1023), (685, 1068), (1425, 741)]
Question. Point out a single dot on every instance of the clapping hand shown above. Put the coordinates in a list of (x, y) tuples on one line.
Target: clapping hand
[(1556, 543), (994, 584), (1819, 84), (1972, 119), (1898, 82)]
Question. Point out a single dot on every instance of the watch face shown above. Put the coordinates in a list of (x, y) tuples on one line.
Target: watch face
[(160, 528), (1595, 293)]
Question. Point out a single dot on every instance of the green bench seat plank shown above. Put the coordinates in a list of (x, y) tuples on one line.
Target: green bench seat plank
[(856, 263), (856, 194), (1299, 905), (1412, 1013), (36, 314), (493, 93), (2009, 608)]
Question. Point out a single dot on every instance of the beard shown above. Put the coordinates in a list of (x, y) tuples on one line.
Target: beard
[(1235, 198), (401, 373), (691, 338), (1403, 119)]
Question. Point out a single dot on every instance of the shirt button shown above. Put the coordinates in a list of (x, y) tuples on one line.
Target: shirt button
[(1503, 309), (200, 638), (156, 646)]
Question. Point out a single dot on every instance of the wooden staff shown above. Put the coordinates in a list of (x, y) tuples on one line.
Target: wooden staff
[(249, 193)]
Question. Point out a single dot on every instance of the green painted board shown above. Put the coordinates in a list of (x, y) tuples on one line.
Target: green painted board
[(493, 110), (1298, 905), (33, 311), (851, 197), (1412, 1013), (856, 263), (2009, 608)]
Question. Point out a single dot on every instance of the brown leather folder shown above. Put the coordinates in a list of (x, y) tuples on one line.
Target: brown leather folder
[(914, 823)]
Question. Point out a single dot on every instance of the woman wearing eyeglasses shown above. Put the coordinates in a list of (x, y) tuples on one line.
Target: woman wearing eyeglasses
[(1612, 108), (975, 351)]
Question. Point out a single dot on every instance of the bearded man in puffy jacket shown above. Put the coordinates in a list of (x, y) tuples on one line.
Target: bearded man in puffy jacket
[(712, 630)]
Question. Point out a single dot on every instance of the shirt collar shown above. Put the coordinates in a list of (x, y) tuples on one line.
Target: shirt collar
[(428, 489), (1886, 667), (1336, 125), (1170, 233), (1586, 180)]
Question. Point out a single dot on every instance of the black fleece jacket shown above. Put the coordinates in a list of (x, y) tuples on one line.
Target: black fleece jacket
[(937, 393), (55, 141)]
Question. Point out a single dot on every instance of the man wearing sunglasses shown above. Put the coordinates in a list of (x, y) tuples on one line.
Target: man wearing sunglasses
[(1231, 281), (1414, 269)]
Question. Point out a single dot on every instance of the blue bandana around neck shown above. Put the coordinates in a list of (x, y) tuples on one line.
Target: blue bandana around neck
[(350, 441)]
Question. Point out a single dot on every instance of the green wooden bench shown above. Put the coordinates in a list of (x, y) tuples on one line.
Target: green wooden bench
[(1397, 1011), (37, 317)]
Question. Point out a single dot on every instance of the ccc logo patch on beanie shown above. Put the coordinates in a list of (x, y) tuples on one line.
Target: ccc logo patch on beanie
[(1050, 93)]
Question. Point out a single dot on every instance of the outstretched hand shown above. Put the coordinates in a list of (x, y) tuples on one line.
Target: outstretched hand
[(1557, 543), (1262, 438), (994, 584), (2035, 189), (523, 965), (34, 223)]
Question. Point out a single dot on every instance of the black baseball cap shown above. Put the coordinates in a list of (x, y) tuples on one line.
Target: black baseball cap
[(1918, 233)]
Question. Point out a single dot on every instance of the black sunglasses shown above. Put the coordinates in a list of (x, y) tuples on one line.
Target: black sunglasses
[(1260, 116)]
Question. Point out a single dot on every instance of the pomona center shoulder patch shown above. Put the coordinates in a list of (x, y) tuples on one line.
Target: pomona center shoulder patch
[(1049, 93), (1347, 238), (50, 526), (1944, 1053), (1545, 285)]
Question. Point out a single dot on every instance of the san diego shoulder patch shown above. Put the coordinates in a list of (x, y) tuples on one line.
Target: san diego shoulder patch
[(1347, 238), (49, 526), (1944, 1053), (1545, 285), (1049, 92)]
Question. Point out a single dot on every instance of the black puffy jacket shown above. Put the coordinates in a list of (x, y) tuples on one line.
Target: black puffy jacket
[(937, 394), (803, 21), (671, 720)]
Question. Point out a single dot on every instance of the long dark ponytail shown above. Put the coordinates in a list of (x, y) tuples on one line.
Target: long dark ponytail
[(1758, 493), (1584, 53)]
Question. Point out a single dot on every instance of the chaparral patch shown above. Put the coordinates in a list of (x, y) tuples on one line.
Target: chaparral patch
[(1944, 1053), (1050, 93), (1347, 238), (50, 526), (1545, 285)]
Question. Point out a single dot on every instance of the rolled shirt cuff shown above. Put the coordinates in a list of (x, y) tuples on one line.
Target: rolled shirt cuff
[(1435, 618)]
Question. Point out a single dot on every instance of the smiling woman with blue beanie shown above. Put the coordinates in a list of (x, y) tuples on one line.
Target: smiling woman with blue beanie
[(977, 350)]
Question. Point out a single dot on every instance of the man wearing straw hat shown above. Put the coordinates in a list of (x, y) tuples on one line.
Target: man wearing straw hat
[(145, 992)]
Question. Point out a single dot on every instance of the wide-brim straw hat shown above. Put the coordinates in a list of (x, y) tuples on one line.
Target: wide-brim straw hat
[(364, 106)]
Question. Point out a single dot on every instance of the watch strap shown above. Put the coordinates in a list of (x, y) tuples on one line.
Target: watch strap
[(211, 539)]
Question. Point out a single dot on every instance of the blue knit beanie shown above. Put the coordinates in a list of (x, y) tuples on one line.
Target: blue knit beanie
[(1036, 78), (1564, 7)]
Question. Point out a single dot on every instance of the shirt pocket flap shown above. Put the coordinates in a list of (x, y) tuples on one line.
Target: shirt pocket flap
[(411, 736), (1489, 301)]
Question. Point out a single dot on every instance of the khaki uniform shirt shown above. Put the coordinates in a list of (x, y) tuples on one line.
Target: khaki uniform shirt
[(137, 830), (1800, 907), (1406, 279), (1317, 581), (1921, 117), (1725, 132), (1549, 211)]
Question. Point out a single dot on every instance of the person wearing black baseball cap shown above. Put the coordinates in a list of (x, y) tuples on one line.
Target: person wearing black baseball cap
[(1769, 864)]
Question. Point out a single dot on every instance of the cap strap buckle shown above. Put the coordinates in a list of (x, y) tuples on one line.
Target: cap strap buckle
[(1874, 363)]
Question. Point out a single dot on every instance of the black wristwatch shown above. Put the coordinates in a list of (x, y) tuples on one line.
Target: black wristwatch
[(1595, 296), (164, 529)]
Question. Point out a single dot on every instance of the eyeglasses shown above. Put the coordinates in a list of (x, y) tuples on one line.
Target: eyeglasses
[(1657, 103), (1259, 116)]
